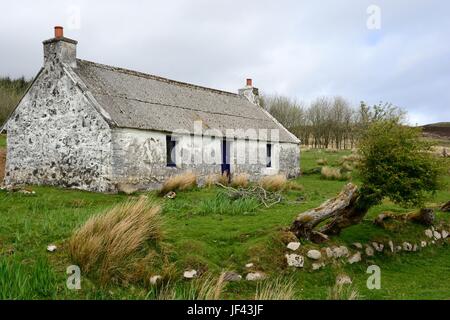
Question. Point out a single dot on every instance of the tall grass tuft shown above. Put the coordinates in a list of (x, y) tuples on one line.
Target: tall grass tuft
[(330, 173), (206, 288), (342, 292), (110, 243), (240, 180), (273, 183), (185, 181), (277, 289)]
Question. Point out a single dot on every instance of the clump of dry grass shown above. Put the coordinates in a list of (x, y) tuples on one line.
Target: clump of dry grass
[(185, 181), (291, 185), (223, 179), (209, 288), (278, 289), (330, 173), (240, 180), (322, 162), (273, 183), (342, 292), (211, 180), (110, 243), (206, 288)]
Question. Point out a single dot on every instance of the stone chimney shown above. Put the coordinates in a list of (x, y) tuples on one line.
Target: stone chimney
[(60, 49), (250, 92)]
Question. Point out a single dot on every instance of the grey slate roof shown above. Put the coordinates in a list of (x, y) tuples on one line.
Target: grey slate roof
[(141, 101)]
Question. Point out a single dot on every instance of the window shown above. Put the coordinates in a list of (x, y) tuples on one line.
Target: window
[(170, 148), (269, 155)]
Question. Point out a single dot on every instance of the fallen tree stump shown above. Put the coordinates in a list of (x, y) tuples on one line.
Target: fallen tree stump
[(342, 211), (424, 216), (446, 207)]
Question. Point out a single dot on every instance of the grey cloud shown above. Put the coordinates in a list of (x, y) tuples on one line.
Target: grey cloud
[(298, 48)]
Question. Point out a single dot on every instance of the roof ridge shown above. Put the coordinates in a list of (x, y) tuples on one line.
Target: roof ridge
[(158, 78)]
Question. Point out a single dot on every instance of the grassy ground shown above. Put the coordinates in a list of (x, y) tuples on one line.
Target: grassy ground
[(2, 141), (225, 240)]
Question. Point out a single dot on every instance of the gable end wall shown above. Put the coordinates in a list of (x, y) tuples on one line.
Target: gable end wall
[(56, 137)]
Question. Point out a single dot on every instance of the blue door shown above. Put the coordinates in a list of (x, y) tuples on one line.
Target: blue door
[(226, 168)]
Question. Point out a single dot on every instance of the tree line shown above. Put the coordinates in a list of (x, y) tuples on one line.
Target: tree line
[(328, 122), (11, 91)]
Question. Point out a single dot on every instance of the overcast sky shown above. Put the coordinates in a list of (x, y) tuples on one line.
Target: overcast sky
[(397, 51)]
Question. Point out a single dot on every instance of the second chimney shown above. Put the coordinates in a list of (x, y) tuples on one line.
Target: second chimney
[(249, 92)]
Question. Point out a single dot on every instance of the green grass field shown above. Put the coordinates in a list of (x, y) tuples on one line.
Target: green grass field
[(212, 240), (2, 141)]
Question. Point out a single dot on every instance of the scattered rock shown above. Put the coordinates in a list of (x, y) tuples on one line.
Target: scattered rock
[(329, 253), (339, 252), (190, 274), (444, 234), (51, 248), (407, 246), (344, 251), (399, 248), (317, 266), (369, 251), (26, 192), (249, 265), (293, 246), (423, 244), (232, 276), (433, 242), (415, 247), (355, 258), (378, 246), (343, 279), (437, 235), (314, 254), (255, 276), (429, 233), (358, 245), (171, 195), (154, 280), (295, 260), (391, 245)]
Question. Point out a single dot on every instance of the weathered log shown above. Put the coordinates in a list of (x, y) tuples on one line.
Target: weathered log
[(424, 216), (342, 210), (446, 207)]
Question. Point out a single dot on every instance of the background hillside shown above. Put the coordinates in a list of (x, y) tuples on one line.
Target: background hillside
[(11, 90)]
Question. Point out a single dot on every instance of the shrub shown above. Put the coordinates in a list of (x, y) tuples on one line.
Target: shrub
[(110, 243), (273, 183), (278, 289), (181, 182), (322, 162), (396, 164), (240, 180)]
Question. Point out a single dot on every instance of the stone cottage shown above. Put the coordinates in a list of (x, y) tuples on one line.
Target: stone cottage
[(94, 127)]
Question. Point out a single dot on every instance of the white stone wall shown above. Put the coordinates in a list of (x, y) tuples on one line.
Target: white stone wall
[(56, 137), (139, 157)]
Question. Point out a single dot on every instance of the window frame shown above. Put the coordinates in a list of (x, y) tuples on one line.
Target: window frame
[(171, 162), (269, 149)]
